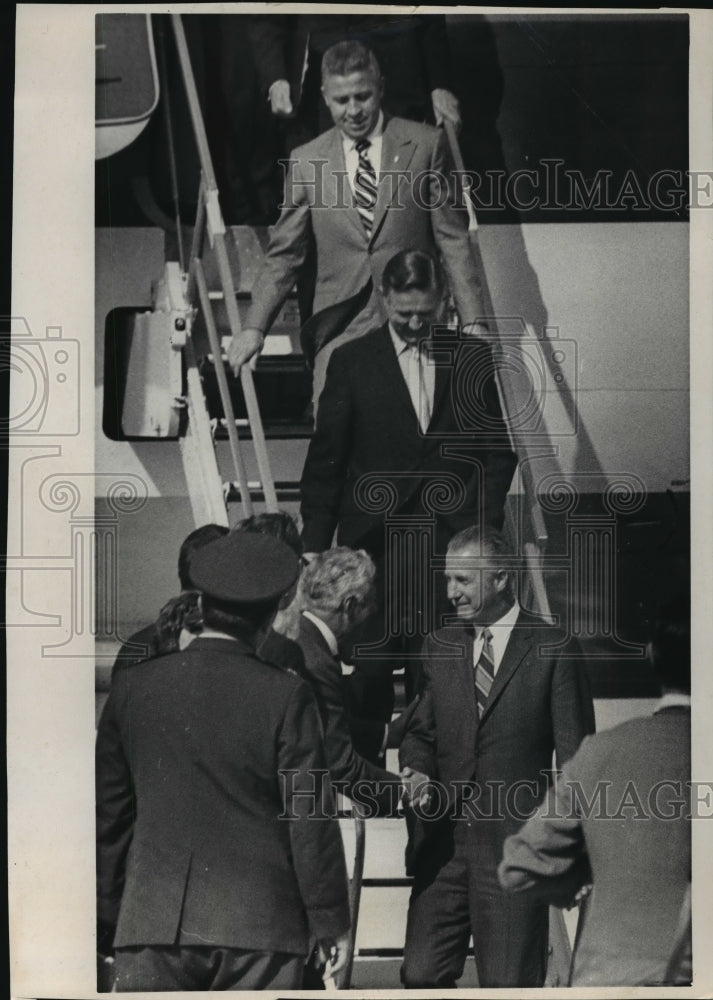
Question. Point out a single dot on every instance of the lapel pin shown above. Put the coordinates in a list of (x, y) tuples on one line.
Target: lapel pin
[(396, 159)]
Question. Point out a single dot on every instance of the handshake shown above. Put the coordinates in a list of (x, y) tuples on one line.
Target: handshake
[(417, 788)]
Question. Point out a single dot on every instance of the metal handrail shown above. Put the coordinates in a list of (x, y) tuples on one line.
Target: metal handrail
[(355, 886), (214, 341), (209, 215), (506, 387)]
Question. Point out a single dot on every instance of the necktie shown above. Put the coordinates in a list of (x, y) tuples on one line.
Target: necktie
[(365, 187), (484, 672), (417, 387)]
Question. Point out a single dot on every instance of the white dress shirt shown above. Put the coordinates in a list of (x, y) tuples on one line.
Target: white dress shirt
[(419, 373), (500, 632), (373, 153)]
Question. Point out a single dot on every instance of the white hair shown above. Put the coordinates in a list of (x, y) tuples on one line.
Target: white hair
[(335, 575)]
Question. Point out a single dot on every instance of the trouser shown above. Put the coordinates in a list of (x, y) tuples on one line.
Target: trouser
[(178, 967), (453, 896)]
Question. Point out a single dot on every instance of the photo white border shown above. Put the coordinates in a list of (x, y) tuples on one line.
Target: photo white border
[(51, 701)]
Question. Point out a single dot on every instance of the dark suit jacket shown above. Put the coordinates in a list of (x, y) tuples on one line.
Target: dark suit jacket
[(142, 645), (367, 424), (539, 703), (345, 765), (283, 652), (367, 732), (413, 52), (145, 645), (636, 836), (189, 834), (318, 203)]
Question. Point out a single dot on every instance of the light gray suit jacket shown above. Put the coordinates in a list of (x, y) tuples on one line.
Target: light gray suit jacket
[(623, 804), (414, 210)]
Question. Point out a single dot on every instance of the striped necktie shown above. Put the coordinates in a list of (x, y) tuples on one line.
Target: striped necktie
[(484, 672), (365, 189)]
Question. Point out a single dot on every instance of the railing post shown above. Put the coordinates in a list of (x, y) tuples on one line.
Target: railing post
[(214, 340), (209, 213)]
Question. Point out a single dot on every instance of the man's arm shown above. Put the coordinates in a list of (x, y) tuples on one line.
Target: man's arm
[(432, 36), (355, 775), (571, 705), (417, 760), (436, 52), (450, 231), (327, 459), (500, 461), (286, 252), (418, 747), (500, 465), (271, 35), (481, 418), (369, 736), (114, 817), (547, 857), (316, 841), (372, 738)]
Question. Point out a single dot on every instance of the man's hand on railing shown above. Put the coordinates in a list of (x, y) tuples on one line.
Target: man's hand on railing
[(243, 348), (279, 98), (333, 954), (446, 107)]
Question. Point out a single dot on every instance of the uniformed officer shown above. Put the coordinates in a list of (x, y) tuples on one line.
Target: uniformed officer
[(219, 857)]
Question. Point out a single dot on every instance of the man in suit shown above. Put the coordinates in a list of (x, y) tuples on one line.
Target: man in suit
[(413, 50), (219, 857), (422, 416), (498, 700), (621, 806), (339, 704), (336, 592), (362, 191)]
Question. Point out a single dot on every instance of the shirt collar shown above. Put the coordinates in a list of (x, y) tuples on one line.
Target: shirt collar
[(673, 699), (244, 645), (500, 632), (211, 633), (400, 345), (506, 622), (376, 133), (325, 631)]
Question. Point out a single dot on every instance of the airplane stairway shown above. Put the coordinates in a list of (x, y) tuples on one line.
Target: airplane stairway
[(197, 304)]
